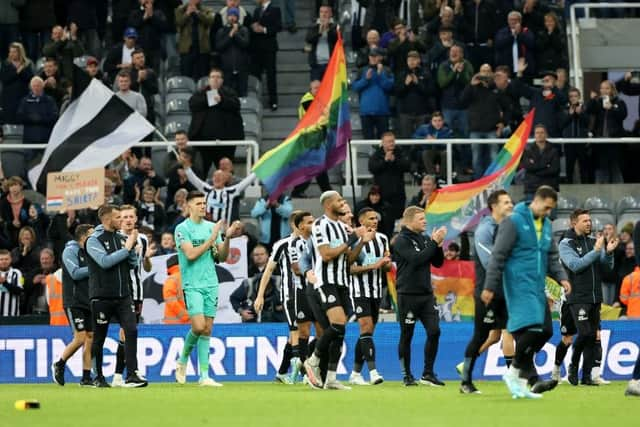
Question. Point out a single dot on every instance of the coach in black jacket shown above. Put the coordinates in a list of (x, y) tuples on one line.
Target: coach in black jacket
[(110, 257), (583, 258), (414, 254), (267, 23)]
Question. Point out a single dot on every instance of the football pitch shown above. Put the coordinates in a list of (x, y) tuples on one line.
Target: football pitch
[(270, 404)]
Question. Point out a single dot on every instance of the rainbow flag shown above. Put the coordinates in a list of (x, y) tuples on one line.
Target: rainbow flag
[(453, 287), (460, 206), (319, 141)]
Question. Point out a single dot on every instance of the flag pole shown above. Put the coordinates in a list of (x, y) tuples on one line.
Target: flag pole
[(351, 174)]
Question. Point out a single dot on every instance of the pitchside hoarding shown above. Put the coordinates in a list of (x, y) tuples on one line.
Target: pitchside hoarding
[(251, 352)]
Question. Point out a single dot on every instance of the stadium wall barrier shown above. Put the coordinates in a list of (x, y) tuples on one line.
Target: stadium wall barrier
[(251, 352)]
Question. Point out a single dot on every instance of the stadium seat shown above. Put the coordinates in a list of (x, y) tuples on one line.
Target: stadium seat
[(602, 218), (13, 163), (627, 203), (158, 156), (179, 105), (177, 95), (253, 131), (251, 105), (202, 83), (13, 132), (623, 219), (254, 85), (560, 225), (597, 203), (81, 61), (172, 127), (248, 117), (180, 84), (566, 202)]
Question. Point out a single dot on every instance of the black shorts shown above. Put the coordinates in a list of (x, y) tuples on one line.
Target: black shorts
[(121, 310), (366, 307), (334, 296), (567, 325), (137, 306), (493, 316), (313, 301), (423, 308), (304, 313), (80, 319)]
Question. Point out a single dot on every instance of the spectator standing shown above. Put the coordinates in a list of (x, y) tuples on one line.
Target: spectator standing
[(151, 24), (25, 255), (541, 162), (383, 209), (399, 48), (9, 20), (169, 37), (194, 21), (630, 293), (320, 41), (120, 11), (480, 24), (133, 99), (379, 14), (373, 86), (244, 18), (575, 124), (167, 244), (144, 81), (54, 84), (267, 23), (548, 101), (510, 93), (232, 43), (84, 14), (433, 157), (38, 113), (273, 218), (141, 177), (550, 45), (11, 286), (439, 52), (216, 116), (533, 15), (151, 210), (37, 17), (120, 56), (182, 144), (447, 17), (64, 46), (388, 164), (515, 42), (608, 113), (289, 13), (416, 93), (486, 112), (15, 75), (373, 42), (35, 301)]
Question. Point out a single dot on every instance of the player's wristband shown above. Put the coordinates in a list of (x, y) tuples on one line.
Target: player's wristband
[(353, 238)]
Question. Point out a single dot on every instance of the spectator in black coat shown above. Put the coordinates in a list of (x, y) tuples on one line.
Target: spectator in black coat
[(35, 284), (53, 81), (508, 90), (267, 23), (447, 17), (15, 74), (38, 113), (533, 15), (416, 92), (120, 55), (84, 14), (145, 81), (439, 52), (232, 43), (388, 164), (515, 33), (550, 45), (541, 162), (608, 113), (480, 23), (548, 100), (373, 42), (120, 11), (151, 24), (9, 20), (320, 41), (141, 177), (221, 120), (64, 46), (575, 124), (37, 17), (151, 211), (399, 48)]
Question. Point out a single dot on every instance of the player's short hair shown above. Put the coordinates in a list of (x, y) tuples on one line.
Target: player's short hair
[(300, 216), (105, 210), (365, 211), (293, 216), (328, 195), (194, 194), (495, 197), (129, 208), (81, 231), (410, 212), (577, 212), (545, 192), (5, 252)]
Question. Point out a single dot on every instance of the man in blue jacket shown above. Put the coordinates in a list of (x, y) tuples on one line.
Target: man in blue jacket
[(523, 254), (374, 86), (38, 113)]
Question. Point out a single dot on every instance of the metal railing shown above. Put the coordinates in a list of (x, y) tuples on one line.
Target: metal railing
[(575, 65), (352, 153)]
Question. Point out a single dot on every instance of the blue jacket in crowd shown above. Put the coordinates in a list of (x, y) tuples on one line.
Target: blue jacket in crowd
[(374, 92), (261, 212), (427, 129), (38, 114)]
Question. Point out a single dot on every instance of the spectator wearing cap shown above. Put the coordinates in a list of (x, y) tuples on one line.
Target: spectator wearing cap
[(548, 100), (244, 18), (541, 163), (64, 46), (38, 113), (373, 42), (480, 23), (486, 109), (515, 42), (374, 201), (320, 41), (433, 157), (119, 57), (416, 93), (151, 24), (193, 22), (232, 43), (92, 68), (373, 86), (404, 42), (439, 52)]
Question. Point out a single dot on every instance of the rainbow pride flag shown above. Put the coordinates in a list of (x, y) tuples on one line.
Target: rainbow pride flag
[(319, 141), (460, 206), (453, 287)]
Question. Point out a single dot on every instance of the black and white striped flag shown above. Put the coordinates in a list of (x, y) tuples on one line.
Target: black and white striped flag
[(94, 130)]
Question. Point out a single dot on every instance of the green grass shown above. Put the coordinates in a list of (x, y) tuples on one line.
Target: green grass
[(265, 404)]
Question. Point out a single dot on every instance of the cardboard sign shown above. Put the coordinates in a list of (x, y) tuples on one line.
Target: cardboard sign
[(75, 190)]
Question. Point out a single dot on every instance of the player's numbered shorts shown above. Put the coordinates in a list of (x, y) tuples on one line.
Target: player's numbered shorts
[(366, 307), (331, 296), (80, 319), (202, 301)]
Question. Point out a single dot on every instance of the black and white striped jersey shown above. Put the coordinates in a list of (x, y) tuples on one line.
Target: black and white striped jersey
[(283, 256), (369, 283), (299, 246), (137, 290), (334, 234), (10, 290)]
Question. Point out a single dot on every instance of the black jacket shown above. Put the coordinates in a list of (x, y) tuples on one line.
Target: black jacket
[(397, 53), (415, 98), (389, 176), (575, 125), (37, 16), (414, 254), (147, 88), (114, 57), (548, 108), (542, 167), (586, 281), (479, 22), (485, 105), (222, 121), (234, 51), (511, 101), (64, 51), (150, 30), (244, 295), (109, 265), (552, 52), (75, 277), (271, 19), (608, 123), (313, 36)]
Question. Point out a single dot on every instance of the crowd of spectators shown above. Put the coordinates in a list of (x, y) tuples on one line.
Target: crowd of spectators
[(430, 69)]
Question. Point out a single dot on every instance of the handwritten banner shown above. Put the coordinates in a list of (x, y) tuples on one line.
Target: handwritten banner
[(75, 190)]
